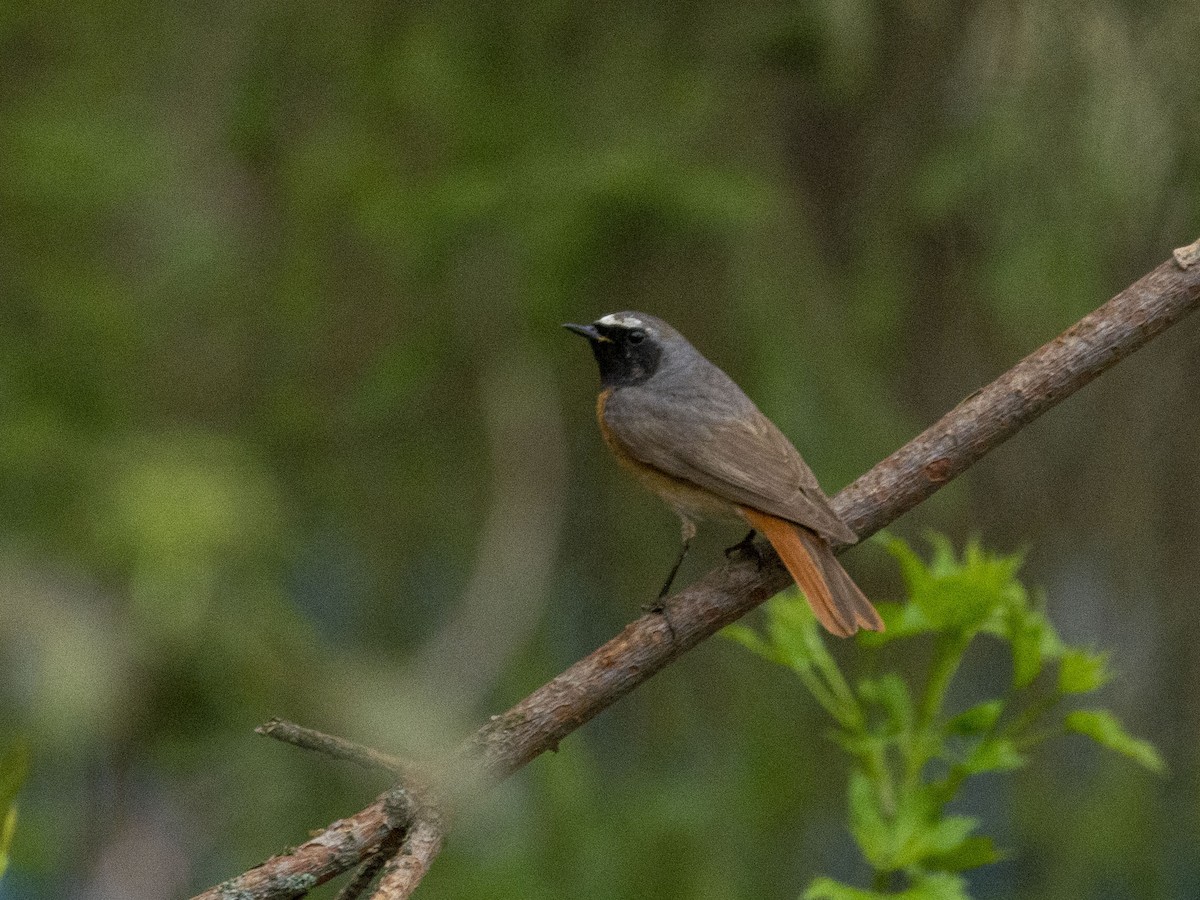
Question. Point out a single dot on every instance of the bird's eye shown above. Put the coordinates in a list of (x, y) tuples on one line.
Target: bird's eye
[(637, 336)]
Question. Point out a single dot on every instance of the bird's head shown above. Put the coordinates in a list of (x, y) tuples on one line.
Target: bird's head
[(629, 346)]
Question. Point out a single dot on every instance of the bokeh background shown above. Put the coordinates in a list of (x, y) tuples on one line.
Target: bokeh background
[(288, 426)]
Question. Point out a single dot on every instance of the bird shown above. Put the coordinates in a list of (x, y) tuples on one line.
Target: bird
[(689, 434)]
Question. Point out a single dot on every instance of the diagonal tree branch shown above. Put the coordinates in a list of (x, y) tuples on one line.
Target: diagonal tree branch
[(980, 423)]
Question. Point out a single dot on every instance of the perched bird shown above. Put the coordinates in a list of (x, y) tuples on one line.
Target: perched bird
[(688, 433)]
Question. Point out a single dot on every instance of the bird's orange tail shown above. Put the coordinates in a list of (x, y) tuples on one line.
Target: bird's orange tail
[(834, 597)]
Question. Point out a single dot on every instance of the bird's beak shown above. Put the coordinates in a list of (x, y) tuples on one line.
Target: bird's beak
[(588, 331)]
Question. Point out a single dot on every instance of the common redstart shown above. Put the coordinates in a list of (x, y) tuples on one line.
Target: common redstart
[(689, 434)]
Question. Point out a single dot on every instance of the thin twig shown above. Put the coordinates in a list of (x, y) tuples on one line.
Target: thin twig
[(910, 475), (339, 748)]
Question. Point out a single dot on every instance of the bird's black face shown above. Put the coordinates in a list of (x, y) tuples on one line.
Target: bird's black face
[(627, 349)]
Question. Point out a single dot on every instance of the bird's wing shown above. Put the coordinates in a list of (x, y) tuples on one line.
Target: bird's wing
[(726, 446)]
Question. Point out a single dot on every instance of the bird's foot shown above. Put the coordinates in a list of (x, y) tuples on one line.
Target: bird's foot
[(746, 548)]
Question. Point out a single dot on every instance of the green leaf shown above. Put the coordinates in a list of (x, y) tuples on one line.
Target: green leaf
[(1027, 655), (913, 570), (995, 755), (923, 838), (789, 621), (1105, 729), (936, 886), (917, 830), (864, 746), (828, 889), (900, 620), (899, 839), (972, 853), (1082, 671), (948, 835), (943, 561), (891, 693), (962, 601), (959, 595), (1034, 641), (868, 823), (751, 640), (977, 719)]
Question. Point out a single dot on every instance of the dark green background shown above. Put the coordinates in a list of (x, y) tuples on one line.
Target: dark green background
[(288, 426)]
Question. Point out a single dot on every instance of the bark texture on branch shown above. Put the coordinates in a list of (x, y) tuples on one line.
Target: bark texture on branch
[(980, 423), (338, 848), (370, 868), (405, 871)]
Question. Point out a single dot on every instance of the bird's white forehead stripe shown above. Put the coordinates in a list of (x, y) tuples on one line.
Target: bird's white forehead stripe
[(615, 319)]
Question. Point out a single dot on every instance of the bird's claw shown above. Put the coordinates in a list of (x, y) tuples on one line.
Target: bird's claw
[(745, 548)]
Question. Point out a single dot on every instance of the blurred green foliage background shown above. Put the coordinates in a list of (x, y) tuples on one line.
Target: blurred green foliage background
[(288, 426)]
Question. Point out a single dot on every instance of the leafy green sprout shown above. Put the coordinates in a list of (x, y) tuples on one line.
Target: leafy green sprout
[(910, 754)]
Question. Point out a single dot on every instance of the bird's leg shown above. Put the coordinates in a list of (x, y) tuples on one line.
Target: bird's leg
[(674, 571), (745, 547), (688, 532)]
